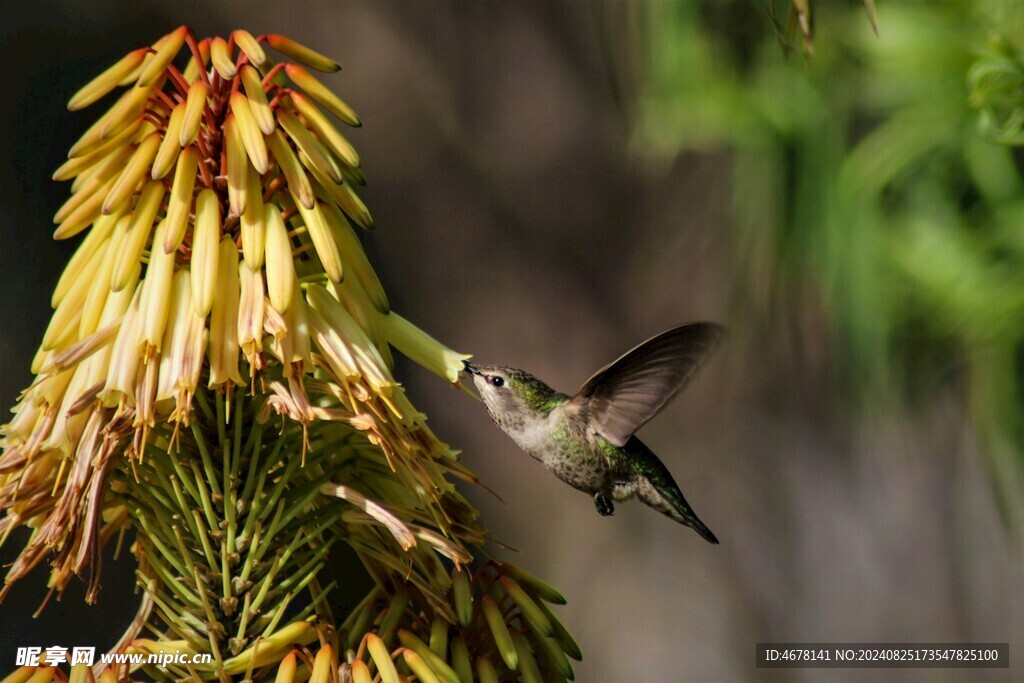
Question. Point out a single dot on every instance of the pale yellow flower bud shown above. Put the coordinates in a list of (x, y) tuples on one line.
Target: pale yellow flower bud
[(323, 240), (92, 138), (323, 663), (125, 355), (257, 97), (253, 229), (205, 243), (435, 666), (167, 49), (252, 136), (355, 258), (250, 310), (95, 301), (311, 152), (63, 327), (75, 167), (221, 58), (87, 212), (295, 344), (337, 318), (92, 180), (238, 167), (183, 345), (93, 241), (156, 292), (298, 182), (361, 672), (179, 206), (419, 667), (224, 319), (335, 351), (324, 129), (108, 80), (138, 167), (302, 54), (319, 92), (124, 113), (133, 232), (382, 658), (195, 103), (279, 264), (343, 195), (247, 44), (170, 147)]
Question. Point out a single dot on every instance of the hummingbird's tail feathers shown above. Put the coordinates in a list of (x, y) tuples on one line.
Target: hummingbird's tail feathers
[(669, 501), (701, 529)]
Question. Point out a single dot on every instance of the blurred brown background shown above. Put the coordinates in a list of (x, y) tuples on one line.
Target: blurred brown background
[(517, 221)]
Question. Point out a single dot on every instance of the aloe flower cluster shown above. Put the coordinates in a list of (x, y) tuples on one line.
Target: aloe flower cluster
[(215, 387)]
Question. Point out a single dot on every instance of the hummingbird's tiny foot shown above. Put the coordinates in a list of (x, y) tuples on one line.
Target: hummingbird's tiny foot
[(604, 505)]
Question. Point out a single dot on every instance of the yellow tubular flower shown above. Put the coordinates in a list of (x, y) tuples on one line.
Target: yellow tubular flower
[(253, 230), (94, 240), (238, 165), (250, 46), (133, 232), (219, 282), (205, 241), (280, 267), (302, 54), (224, 318), (195, 104), (138, 167), (156, 292), (252, 136), (361, 672), (222, 59), (180, 203), (257, 99), (321, 94), (96, 299), (170, 147), (107, 81)]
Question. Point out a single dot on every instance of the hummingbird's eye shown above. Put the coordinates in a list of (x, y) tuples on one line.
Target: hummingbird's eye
[(497, 381)]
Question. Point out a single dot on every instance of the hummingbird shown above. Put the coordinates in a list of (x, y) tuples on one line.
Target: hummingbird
[(587, 440)]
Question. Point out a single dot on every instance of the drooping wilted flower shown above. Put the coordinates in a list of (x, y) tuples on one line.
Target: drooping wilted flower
[(220, 281)]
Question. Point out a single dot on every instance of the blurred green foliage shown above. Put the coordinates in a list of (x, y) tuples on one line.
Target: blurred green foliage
[(873, 182)]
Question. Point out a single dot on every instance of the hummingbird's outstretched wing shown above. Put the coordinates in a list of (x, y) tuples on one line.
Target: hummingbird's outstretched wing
[(624, 395)]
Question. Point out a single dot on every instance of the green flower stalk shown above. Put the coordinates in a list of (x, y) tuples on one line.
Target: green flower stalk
[(217, 379)]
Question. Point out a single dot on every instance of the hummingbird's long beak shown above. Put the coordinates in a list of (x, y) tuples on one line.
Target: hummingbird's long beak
[(469, 368)]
